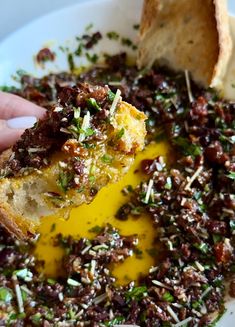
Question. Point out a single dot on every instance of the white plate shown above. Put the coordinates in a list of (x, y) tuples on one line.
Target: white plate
[(60, 28)]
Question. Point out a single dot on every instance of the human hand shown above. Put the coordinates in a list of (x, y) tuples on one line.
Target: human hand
[(16, 114)]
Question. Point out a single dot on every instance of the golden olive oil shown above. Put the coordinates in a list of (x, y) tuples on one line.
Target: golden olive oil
[(99, 213)]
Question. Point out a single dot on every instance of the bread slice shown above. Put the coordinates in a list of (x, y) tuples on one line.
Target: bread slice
[(76, 165), (188, 35)]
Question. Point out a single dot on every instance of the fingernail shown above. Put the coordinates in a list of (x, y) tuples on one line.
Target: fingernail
[(22, 122)]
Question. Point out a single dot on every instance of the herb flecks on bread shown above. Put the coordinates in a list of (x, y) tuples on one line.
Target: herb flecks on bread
[(89, 139)]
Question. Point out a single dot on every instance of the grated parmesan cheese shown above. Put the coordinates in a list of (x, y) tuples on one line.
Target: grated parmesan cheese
[(85, 126), (188, 84), (149, 189), (115, 102), (192, 179)]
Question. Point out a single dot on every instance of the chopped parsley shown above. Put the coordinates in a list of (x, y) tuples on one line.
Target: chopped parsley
[(64, 180), (92, 104), (78, 52), (6, 294), (71, 61), (111, 96), (53, 227), (92, 58), (51, 281), (136, 26), (107, 159), (96, 229), (114, 321), (203, 247), (136, 293), (126, 41), (168, 297), (120, 133), (188, 148), (113, 35), (89, 27), (231, 175)]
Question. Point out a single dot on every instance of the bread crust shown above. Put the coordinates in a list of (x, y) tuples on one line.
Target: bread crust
[(189, 35), (225, 42), (18, 226), (4, 156)]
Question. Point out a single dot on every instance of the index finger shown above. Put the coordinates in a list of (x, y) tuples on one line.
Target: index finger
[(14, 106)]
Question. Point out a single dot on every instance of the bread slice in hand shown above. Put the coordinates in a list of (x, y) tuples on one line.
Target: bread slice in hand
[(188, 35), (88, 140)]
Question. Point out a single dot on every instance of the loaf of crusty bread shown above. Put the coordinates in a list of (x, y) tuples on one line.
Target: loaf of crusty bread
[(89, 140), (188, 35)]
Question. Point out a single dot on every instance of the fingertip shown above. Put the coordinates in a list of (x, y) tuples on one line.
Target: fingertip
[(9, 137), (12, 105)]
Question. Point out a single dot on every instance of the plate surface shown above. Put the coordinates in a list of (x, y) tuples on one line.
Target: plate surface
[(61, 28)]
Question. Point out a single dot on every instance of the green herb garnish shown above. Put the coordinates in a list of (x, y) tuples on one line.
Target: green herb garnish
[(92, 58), (167, 297), (36, 318), (79, 50), (88, 132), (107, 159), (231, 175), (64, 179), (203, 247), (89, 27), (113, 35), (114, 321), (53, 227), (6, 294), (92, 104), (120, 133), (111, 96), (216, 238), (71, 61), (168, 184), (96, 229), (126, 41), (51, 281), (91, 179), (188, 148), (136, 293)]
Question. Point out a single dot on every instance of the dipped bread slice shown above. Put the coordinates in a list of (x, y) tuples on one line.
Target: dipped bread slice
[(188, 35), (88, 140)]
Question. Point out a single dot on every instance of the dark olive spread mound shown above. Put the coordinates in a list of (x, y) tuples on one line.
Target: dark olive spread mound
[(63, 122), (190, 200)]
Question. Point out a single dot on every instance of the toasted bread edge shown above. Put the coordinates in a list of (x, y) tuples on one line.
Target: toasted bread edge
[(18, 226), (221, 53)]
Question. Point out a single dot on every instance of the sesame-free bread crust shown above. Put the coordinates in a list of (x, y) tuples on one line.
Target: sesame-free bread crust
[(188, 35)]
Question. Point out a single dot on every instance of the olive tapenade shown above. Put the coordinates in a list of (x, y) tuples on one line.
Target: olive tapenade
[(190, 201)]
